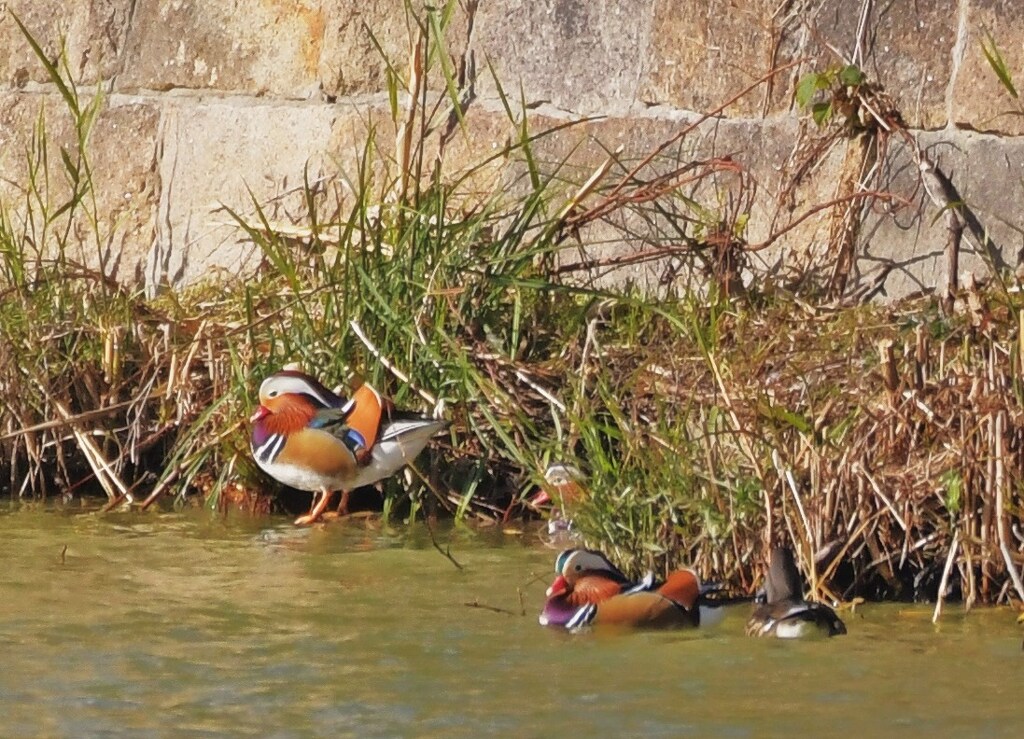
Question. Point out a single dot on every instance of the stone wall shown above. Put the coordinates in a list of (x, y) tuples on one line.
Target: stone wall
[(210, 103)]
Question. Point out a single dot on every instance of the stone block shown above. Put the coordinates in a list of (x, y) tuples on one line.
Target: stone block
[(584, 57), (703, 53), (123, 153), (979, 99), (476, 156), (91, 32), (637, 245), (17, 115), (905, 47), (231, 155), (988, 173), (113, 226), (293, 49), (727, 173), (228, 155), (352, 63), (247, 47)]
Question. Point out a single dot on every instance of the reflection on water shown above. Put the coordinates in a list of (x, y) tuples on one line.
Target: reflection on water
[(182, 624)]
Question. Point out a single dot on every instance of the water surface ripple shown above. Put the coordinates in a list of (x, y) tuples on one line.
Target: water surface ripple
[(188, 625)]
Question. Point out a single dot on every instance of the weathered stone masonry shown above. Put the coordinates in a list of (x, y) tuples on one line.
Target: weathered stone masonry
[(206, 98)]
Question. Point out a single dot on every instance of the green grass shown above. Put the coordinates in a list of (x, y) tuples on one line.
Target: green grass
[(709, 422)]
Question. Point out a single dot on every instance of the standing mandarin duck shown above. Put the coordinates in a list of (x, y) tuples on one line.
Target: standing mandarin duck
[(309, 438), (562, 490), (784, 613), (589, 590), (562, 485)]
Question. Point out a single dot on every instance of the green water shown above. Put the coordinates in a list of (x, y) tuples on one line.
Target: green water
[(188, 625)]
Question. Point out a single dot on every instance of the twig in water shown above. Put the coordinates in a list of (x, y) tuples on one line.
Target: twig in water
[(534, 577), (161, 488), (476, 604), (63, 554), (433, 540), (429, 485), (113, 503)]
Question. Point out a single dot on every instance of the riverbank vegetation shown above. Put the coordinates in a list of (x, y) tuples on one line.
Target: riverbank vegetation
[(708, 417)]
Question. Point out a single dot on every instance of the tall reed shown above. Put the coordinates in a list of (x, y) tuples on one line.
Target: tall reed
[(710, 420)]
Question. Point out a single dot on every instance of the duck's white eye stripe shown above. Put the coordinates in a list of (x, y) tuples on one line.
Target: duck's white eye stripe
[(276, 386), (322, 399), (325, 400)]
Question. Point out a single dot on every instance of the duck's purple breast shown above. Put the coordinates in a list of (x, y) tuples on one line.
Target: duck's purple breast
[(260, 433), (557, 611)]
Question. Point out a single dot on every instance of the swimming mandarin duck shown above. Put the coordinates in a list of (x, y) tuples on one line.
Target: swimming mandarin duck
[(309, 438), (589, 590), (784, 613)]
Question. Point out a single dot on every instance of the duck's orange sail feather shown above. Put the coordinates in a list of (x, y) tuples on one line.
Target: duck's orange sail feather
[(682, 587), (366, 413)]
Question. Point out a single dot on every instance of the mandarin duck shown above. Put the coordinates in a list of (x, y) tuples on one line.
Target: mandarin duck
[(562, 489), (589, 590), (784, 613), (309, 438)]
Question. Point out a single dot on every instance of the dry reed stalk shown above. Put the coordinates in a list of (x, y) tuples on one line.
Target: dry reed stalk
[(786, 475), (389, 365), (161, 487), (104, 473), (78, 418), (584, 190), (945, 576), (858, 164), (407, 130), (741, 439), (1000, 484)]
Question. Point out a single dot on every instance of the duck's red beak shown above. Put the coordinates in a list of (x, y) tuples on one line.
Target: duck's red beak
[(559, 587), (259, 413), (541, 497)]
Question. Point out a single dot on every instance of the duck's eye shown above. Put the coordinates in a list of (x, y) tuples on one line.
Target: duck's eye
[(578, 567), (272, 394)]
